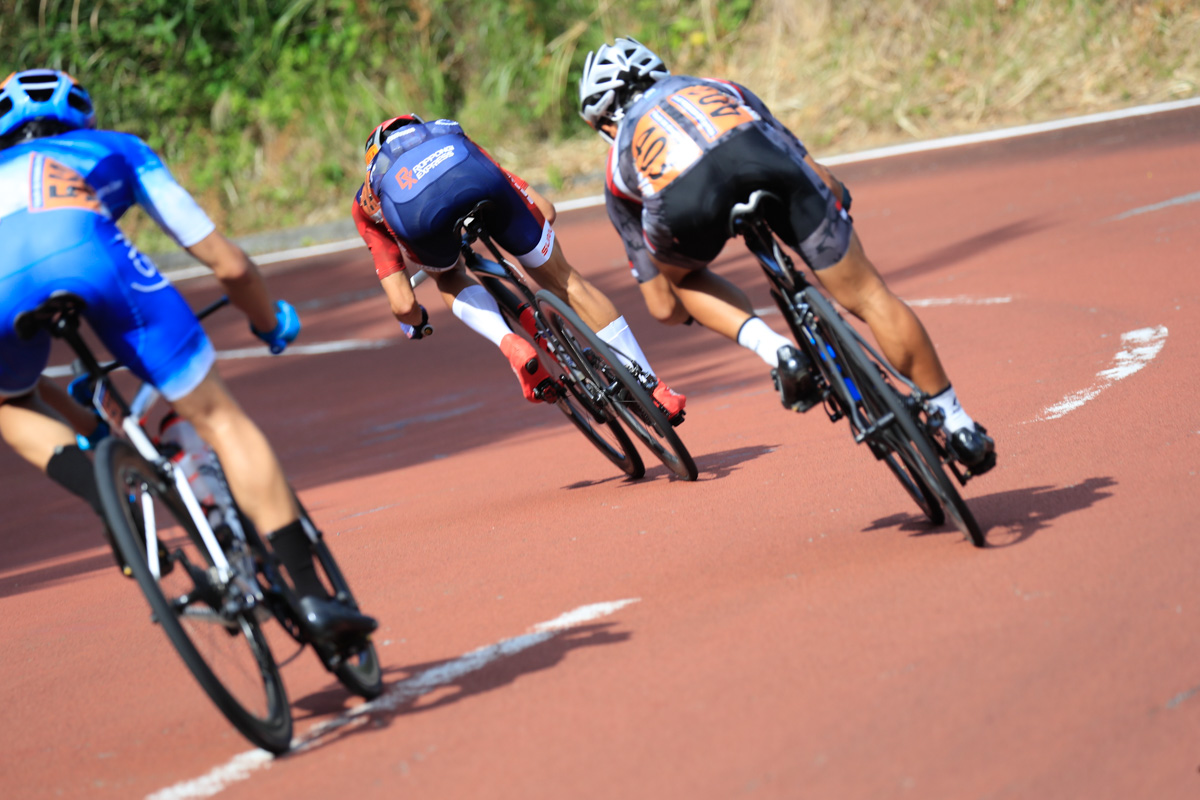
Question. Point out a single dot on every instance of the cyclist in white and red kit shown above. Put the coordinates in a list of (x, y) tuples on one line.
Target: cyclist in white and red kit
[(684, 151)]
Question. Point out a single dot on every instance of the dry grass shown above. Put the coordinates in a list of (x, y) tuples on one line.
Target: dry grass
[(854, 74)]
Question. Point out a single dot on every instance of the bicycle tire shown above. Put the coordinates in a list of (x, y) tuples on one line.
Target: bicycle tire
[(904, 435), (598, 427), (630, 402), (123, 478), (358, 670)]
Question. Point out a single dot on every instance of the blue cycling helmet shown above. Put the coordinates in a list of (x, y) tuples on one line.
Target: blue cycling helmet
[(44, 94)]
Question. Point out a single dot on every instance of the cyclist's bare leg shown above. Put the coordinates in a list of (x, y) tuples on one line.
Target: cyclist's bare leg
[(856, 284), (662, 302), (713, 301), (453, 281), (83, 420), (30, 427), (250, 465), (561, 279)]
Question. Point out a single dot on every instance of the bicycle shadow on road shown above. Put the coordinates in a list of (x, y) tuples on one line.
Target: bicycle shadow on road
[(711, 467), (1009, 518), (433, 685)]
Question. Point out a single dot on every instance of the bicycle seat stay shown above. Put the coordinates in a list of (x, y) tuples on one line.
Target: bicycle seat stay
[(61, 304)]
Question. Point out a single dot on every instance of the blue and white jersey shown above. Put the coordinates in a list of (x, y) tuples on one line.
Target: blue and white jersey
[(101, 172)]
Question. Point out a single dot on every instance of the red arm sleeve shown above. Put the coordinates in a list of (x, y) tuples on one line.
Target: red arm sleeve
[(385, 250)]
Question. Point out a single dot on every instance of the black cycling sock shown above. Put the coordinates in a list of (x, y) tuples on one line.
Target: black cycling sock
[(292, 548), (73, 471)]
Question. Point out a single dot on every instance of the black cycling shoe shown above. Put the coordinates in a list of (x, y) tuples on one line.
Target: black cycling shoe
[(331, 622), (794, 380), (973, 448)]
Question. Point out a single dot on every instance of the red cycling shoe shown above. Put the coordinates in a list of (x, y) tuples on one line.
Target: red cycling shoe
[(535, 380), (670, 401)]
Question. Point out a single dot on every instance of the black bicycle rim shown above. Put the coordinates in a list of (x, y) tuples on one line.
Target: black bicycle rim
[(629, 401), (355, 666), (123, 477), (905, 436)]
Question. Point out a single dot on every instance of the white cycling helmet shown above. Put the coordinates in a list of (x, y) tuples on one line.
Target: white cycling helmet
[(612, 76)]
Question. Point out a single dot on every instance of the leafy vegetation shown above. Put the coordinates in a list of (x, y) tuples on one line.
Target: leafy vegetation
[(261, 106)]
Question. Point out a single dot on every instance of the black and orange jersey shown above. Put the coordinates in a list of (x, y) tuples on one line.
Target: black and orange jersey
[(663, 135)]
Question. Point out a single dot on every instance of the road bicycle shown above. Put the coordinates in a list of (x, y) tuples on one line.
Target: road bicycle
[(211, 582), (885, 410), (600, 390)]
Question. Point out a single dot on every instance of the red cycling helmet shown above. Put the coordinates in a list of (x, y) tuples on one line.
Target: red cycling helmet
[(383, 129)]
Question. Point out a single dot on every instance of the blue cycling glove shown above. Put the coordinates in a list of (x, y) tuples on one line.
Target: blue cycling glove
[(287, 328)]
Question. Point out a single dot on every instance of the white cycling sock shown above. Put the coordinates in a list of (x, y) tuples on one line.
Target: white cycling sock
[(617, 335), (956, 418), (479, 312), (756, 335)]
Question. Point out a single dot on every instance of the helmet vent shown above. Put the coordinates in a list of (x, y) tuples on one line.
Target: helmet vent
[(78, 102), (39, 95), (6, 105)]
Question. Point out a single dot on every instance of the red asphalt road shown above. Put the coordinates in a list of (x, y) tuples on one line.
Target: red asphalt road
[(799, 631)]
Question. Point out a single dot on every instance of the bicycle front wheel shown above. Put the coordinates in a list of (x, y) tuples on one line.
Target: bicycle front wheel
[(215, 631), (897, 426), (615, 388)]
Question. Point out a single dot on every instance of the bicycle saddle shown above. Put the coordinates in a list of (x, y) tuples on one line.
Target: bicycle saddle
[(749, 207), (59, 303), (473, 219)]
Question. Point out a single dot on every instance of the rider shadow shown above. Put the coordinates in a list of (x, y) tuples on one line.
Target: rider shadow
[(710, 466), (960, 251), (1019, 513), (441, 683)]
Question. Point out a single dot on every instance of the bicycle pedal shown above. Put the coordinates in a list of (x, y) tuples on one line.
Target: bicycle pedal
[(547, 391)]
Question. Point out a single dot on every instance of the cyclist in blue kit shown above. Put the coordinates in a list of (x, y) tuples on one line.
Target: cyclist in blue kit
[(63, 186), (422, 178)]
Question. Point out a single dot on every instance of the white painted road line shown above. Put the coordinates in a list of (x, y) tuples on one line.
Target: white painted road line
[(261, 351), (944, 143), (1142, 346), (927, 302), (241, 767)]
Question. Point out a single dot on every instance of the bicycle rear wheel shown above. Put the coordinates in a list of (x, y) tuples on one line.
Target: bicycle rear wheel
[(215, 631), (600, 368), (580, 405), (356, 666), (901, 434)]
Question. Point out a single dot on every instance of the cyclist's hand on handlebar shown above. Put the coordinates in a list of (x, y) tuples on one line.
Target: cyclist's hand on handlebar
[(421, 329), (287, 328)]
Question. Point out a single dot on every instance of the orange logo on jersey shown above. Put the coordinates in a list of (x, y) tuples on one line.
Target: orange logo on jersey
[(57, 186), (661, 151), (405, 178), (712, 111)]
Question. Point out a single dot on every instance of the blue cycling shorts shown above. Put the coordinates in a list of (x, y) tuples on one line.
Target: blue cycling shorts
[(423, 216), (134, 310)]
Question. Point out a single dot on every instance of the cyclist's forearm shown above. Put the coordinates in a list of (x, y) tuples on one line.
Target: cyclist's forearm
[(237, 273)]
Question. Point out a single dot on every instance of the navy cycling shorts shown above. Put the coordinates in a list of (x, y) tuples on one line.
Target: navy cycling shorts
[(423, 217), (137, 314)]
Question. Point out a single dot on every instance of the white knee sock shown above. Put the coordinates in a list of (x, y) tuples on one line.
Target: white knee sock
[(956, 418), (618, 335), (757, 336), (479, 312)]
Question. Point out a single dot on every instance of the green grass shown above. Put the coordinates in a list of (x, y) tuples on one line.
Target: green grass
[(260, 106)]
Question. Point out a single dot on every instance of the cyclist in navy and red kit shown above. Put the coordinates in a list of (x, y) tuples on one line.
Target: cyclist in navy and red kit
[(685, 150), (63, 186), (422, 178)]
